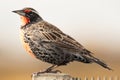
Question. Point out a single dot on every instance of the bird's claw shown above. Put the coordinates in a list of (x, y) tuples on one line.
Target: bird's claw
[(47, 71)]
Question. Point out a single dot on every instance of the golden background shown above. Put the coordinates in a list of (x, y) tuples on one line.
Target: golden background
[(93, 23)]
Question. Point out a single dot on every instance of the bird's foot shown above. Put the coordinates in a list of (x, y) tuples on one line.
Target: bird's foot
[(47, 71)]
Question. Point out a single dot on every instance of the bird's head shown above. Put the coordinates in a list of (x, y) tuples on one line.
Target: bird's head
[(28, 15)]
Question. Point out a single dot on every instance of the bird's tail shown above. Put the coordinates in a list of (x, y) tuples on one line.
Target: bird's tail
[(102, 63), (91, 59)]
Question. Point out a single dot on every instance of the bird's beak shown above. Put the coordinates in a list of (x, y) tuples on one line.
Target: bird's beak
[(20, 12)]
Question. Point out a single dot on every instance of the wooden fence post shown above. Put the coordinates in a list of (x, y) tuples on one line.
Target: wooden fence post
[(63, 76), (52, 76)]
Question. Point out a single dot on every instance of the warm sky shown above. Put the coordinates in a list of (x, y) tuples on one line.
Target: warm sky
[(93, 23)]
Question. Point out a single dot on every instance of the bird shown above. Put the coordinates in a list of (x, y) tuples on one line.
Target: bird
[(48, 43)]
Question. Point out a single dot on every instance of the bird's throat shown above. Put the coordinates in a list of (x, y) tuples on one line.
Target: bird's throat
[(25, 20)]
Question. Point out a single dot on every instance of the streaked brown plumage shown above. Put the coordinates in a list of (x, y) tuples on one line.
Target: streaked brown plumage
[(49, 44)]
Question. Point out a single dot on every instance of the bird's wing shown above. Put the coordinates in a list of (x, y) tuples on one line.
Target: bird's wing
[(55, 36)]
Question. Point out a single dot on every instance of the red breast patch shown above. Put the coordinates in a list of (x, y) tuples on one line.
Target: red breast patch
[(25, 20)]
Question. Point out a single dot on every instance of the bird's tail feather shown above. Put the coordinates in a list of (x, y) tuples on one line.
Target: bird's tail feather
[(91, 59), (102, 63)]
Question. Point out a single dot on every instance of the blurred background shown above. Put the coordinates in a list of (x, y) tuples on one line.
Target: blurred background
[(93, 23)]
